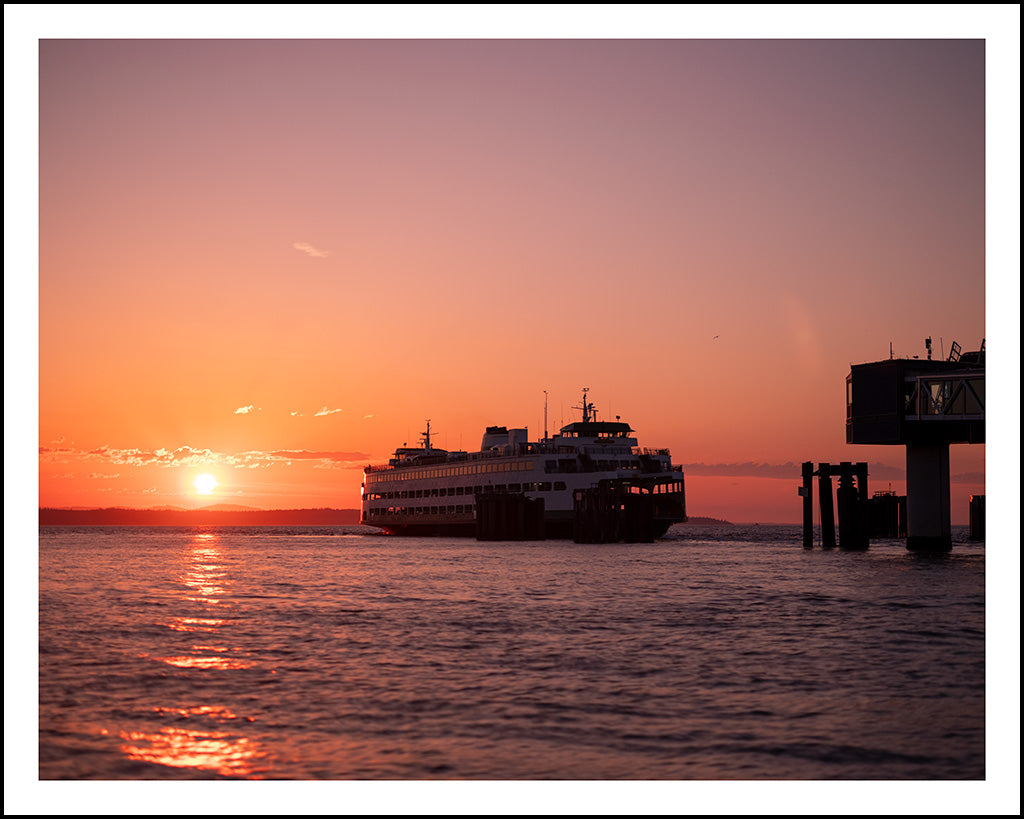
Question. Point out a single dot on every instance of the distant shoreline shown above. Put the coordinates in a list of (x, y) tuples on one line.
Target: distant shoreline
[(116, 516), (197, 517)]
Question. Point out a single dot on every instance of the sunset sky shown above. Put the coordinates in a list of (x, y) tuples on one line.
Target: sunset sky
[(270, 261)]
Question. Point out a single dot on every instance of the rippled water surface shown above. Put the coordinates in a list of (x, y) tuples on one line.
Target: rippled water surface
[(716, 653)]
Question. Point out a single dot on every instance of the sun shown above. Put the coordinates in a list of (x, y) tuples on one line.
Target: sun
[(205, 483)]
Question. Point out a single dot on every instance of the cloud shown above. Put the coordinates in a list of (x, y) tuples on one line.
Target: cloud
[(296, 414), (94, 475), (186, 456), (786, 471), (791, 471), (55, 455), (311, 455), (182, 456), (309, 249), (245, 410), (324, 411)]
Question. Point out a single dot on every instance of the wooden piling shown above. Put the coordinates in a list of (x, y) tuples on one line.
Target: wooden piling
[(828, 521), (977, 517), (807, 491), (852, 533)]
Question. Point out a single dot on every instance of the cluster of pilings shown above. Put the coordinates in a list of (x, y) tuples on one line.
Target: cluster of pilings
[(612, 513), (851, 500), (509, 516)]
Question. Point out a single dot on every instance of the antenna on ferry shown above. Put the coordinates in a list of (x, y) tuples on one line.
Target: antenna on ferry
[(545, 414), (587, 408), (426, 437)]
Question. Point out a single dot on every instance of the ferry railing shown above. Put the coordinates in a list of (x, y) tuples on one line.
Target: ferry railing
[(520, 449)]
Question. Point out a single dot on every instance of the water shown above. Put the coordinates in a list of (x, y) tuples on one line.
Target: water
[(718, 653)]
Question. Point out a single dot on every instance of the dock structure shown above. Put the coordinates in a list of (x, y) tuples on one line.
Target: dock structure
[(887, 515), (925, 406), (851, 499), (977, 528), (509, 516), (614, 511)]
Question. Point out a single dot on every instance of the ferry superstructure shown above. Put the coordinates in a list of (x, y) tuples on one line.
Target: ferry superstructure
[(429, 491)]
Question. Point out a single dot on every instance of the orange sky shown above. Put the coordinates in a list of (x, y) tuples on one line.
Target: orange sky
[(271, 261)]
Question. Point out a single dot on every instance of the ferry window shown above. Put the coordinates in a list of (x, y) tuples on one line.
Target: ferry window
[(546, 487), (515, 487), (559, 486)]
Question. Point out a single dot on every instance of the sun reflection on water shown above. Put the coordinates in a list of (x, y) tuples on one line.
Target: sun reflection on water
[(195, 624), (217, 712), (201, 746), (205, 570), (190, 661), (216, 751)]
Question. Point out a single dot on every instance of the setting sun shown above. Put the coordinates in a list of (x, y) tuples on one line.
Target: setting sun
[(205, 483)]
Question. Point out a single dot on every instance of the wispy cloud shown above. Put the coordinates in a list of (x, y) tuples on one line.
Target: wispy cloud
[(792, 471), (307, 248), (191, 456), (324, 411), (182, 456), (788, 470), (312, 455)]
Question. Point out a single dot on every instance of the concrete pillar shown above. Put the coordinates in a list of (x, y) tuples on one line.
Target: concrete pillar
[(928, 526)]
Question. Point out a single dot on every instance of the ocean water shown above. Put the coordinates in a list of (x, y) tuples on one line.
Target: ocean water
[(716, 653)]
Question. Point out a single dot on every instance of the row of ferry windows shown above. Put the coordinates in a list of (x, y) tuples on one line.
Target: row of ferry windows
[(562, 465), (421, 510), (442, 491), (451, 471)]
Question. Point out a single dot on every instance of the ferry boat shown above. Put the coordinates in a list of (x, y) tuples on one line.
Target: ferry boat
[(425, 490)]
